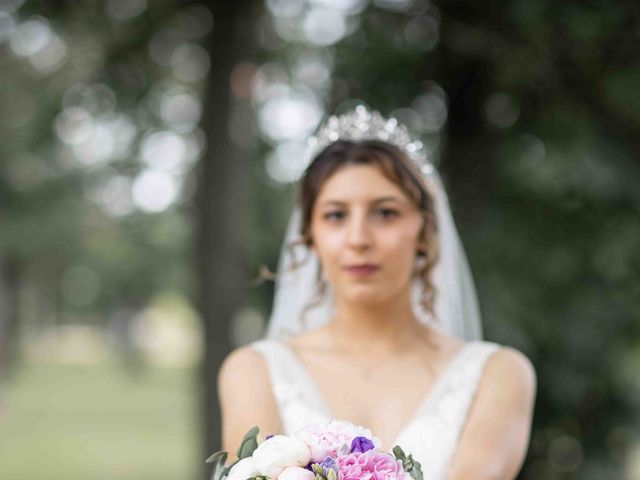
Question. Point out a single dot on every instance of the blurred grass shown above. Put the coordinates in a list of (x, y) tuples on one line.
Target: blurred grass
[(97, 422)]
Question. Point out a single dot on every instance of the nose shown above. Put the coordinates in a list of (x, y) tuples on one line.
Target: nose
[(359, 234)]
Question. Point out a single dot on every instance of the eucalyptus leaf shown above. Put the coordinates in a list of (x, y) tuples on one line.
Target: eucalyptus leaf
[(249, 443), (215, 457), (219, 469)]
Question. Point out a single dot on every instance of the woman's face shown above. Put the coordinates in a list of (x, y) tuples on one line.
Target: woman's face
[(365, 231)]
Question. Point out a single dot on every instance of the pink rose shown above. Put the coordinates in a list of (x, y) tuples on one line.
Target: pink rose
[(296, 473), (332, 438), (371, 465)]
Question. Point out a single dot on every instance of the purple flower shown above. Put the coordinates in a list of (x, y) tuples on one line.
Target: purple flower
[(361, 444), (326, 465), (329, 463)]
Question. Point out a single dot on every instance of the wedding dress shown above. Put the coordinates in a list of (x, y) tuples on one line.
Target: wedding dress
[(432, 434)]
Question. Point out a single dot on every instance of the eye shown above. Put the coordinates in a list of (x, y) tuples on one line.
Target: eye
[(333, 216), (387, 213)]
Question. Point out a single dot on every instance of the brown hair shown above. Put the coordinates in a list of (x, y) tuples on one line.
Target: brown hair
[(394, 165)]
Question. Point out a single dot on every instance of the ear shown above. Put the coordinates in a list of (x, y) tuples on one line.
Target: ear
[(421, 245), (311, 244)]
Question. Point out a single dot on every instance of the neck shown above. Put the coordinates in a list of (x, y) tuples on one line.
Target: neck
[(378, 327)]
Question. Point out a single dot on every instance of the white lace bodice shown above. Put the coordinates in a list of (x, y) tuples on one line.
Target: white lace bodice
[(432, 434)]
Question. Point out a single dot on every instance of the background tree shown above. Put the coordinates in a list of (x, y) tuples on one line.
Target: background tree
[(220, 200)]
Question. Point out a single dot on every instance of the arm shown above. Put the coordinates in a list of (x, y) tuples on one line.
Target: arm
[(246, 398), (494, 441)]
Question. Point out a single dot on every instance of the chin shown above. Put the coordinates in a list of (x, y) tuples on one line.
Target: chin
[(366, 295)]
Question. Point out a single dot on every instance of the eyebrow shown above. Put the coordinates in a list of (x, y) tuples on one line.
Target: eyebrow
[(376, 201)]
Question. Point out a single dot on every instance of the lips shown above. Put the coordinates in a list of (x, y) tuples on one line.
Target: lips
[(362, 270)]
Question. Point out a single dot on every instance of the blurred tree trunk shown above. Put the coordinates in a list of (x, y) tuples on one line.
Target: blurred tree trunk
[(9, 314), (219, 207)]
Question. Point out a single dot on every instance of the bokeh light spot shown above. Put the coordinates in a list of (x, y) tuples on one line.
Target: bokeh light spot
[(154, 191), (190, 62)]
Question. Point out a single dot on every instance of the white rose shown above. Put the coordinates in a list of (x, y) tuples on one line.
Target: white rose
[(274, 455), (296, 473), (244, 469)]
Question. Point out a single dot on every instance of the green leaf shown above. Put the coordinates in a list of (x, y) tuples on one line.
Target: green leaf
[(409, 464), (416, 469), (399, 453), (249, 443), (215, 457), (219, 469)]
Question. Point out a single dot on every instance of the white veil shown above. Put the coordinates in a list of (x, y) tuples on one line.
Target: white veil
[(455, 307)]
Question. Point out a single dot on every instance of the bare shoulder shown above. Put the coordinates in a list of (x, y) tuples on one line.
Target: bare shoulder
[(246, 397), (494, 440), (508, 370), (245, 366), (241, 358)]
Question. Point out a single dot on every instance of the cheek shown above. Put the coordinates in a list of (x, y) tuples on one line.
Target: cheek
[(330, 242), (327, 245), (400, 249), (404, 254), (402, 240)]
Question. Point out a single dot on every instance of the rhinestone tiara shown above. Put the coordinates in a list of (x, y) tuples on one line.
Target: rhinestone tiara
[(363, 124)]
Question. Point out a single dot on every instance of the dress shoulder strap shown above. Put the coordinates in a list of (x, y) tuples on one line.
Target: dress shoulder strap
[(276, 359), (296, 403), (461, 385), (456, 399), (434, 436)]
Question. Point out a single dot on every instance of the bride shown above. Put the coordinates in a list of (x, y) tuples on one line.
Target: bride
[(377, 322)]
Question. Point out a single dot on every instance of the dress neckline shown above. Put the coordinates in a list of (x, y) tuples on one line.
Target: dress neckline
[(427, 398)]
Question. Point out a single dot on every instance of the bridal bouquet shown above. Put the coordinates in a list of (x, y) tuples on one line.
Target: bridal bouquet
[(336, 450)]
